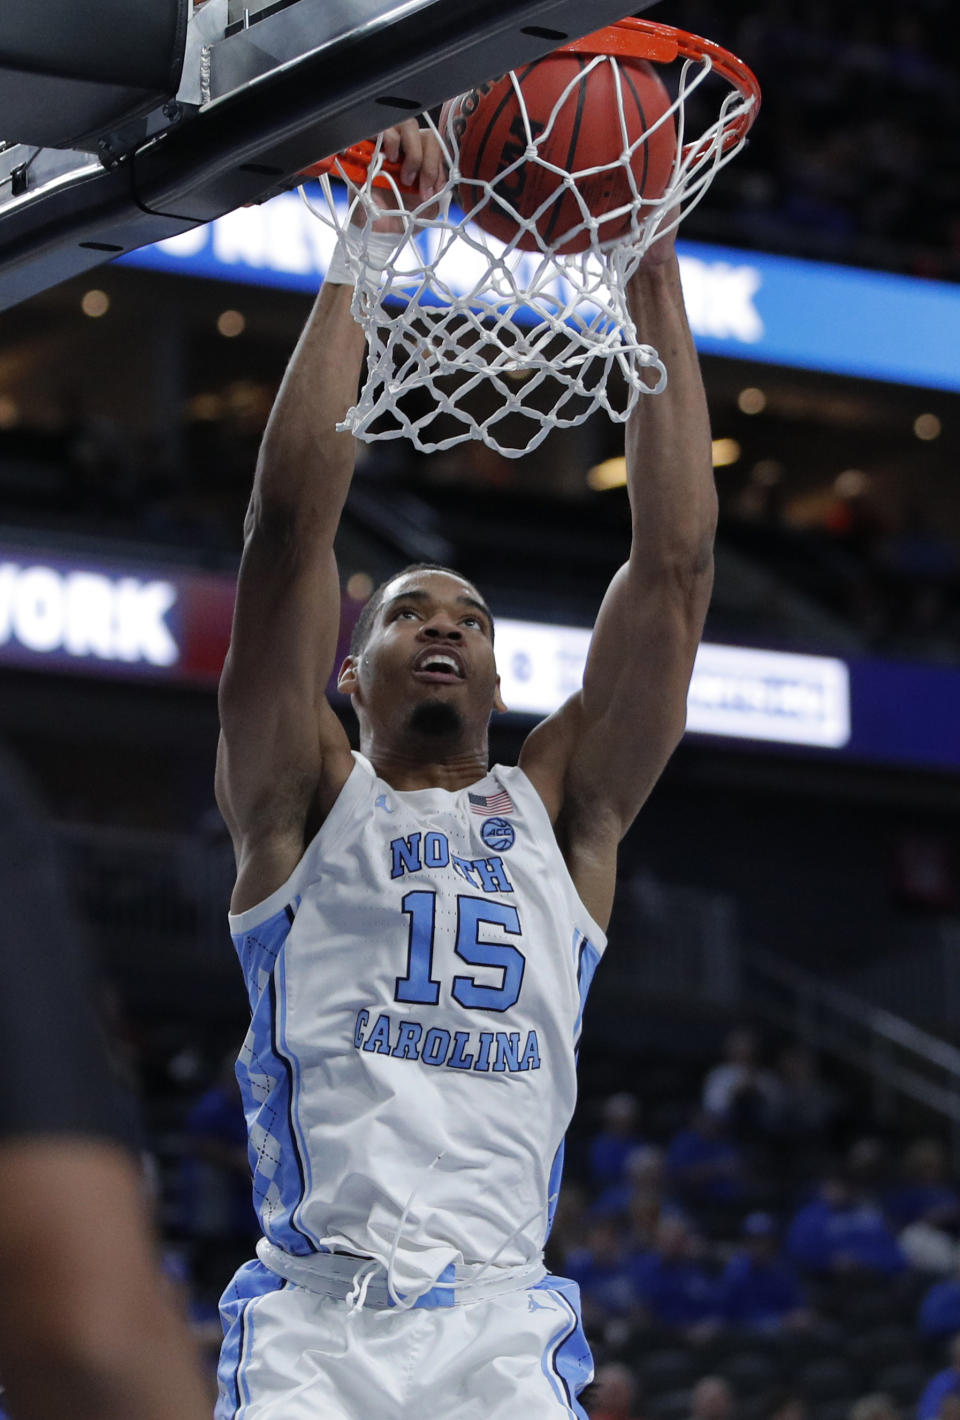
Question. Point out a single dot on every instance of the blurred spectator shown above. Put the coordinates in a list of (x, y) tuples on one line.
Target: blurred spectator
[(647, 1203), (939, 1313), (603, 1272), (808, 1107), (740, 1090), (945, 1383), (760, 1289), (876, 1406), (614, 1393), (785, 1404), (868, 1167), (842, 1230), (672, 1284), (643, 1217), (923, 1193), (216, 1199), (703, 1162), (617, 1140), (643, 1173), (711, 1399), (569, 1227)]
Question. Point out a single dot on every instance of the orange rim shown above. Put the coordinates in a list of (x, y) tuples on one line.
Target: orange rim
[(353, 164), (627, 39), (646, 39)]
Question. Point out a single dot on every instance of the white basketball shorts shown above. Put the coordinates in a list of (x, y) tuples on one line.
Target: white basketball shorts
[(290, 1353)]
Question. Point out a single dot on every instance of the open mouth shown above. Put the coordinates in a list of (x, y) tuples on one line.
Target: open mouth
[(439, 666)]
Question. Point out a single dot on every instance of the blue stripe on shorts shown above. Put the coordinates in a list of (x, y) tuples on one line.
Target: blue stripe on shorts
[(567, 1362), (251, 1282)]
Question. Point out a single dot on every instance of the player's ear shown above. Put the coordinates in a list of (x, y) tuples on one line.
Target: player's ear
[(498, 702), (348, 680)]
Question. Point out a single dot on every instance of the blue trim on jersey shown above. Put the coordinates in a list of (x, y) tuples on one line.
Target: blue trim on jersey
[(553, 1186), (252, 1282), (588, 959), (297, 1154), (567, 1362), (258, 950), (278, 1167)]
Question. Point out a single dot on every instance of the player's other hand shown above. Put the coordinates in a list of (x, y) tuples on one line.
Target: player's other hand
[(420, 155), (422, 174)]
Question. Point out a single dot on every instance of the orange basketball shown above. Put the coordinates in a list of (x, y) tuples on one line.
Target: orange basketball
[(586, 132)]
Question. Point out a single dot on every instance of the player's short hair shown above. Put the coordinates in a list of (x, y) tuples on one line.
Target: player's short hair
[(364, 623)]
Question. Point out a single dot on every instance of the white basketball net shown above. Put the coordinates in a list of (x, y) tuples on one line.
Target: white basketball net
[(455, 309)]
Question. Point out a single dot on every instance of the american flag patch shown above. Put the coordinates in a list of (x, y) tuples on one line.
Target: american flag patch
[(499, 803)]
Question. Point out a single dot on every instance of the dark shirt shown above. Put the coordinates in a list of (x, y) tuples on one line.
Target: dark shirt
[(940, 1310), (607, 1285), (821, 1234), (677, 1292), (758, 1295), (689, 1152), (56, 1074), (217, 1199), (904, 1205), (609, 1154)]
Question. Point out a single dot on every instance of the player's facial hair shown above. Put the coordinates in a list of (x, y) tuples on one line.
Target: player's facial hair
[(436, 719)]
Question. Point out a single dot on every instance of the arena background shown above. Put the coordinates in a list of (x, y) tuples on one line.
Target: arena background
[(797, 871)]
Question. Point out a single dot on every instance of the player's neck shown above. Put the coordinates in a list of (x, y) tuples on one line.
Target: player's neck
[(424, 766)]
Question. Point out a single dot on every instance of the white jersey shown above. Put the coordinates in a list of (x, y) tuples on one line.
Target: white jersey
[(416, 987)]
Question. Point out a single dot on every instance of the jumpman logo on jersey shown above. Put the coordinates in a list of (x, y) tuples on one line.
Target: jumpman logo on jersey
[(535, 1306), (381, 803)]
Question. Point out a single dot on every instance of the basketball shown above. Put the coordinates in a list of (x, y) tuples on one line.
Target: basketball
[(585, 133)]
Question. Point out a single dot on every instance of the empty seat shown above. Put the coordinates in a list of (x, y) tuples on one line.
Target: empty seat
[(832, 1410), (667, 1370), (904, 1381), (828, 1378), (750, 1372), (882, 1346), (671, 1405)]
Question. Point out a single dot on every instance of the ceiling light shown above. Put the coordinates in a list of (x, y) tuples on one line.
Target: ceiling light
[(751, 400), (359, 586), (612, 473), (927, 426), (725, 452), (95, 303), (230, 323)]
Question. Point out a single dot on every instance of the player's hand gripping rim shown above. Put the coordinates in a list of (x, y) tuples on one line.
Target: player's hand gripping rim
[(418, 169)]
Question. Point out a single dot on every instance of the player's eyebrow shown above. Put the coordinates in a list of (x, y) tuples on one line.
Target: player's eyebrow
[(421, 595)]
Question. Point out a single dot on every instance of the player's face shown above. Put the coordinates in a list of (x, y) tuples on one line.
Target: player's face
[(431, 646)]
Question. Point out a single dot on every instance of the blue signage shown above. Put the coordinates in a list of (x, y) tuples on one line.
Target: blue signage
[(777, 310)]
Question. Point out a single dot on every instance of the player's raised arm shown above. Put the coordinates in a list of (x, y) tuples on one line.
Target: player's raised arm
[(597, 759), (283, 754)]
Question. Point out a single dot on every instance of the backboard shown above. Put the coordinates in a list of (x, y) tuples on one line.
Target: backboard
[(263, 91)]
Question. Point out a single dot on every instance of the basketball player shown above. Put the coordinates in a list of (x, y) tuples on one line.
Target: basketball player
[(87, 1324), (418, 931)]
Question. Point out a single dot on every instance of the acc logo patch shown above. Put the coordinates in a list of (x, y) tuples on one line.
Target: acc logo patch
[(498, 833)]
